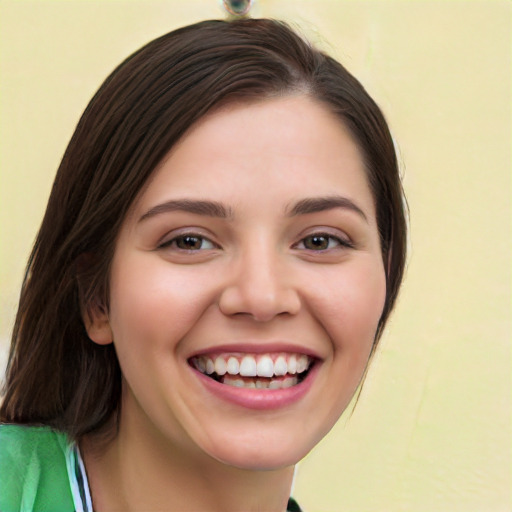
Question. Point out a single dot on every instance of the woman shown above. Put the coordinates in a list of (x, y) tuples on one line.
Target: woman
[(223, 244)]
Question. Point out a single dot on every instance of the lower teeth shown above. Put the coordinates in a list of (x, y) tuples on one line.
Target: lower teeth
[(251, 383)]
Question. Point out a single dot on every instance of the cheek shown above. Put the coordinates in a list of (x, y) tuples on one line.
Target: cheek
[(154, 304), (351, 305), (349, 311)]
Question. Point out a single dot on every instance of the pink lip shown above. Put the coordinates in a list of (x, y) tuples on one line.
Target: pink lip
[(259, 399), (257, 348)]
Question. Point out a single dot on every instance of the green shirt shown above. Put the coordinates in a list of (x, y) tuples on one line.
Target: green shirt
[(38, 470), (41, 471)]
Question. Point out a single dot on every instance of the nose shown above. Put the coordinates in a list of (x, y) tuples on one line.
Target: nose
[(260, 286)]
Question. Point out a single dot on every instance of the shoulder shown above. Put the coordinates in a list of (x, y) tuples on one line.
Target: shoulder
[(21, 440), (33, 469)]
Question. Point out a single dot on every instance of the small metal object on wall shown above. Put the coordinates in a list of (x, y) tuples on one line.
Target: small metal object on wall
[(238, 8)]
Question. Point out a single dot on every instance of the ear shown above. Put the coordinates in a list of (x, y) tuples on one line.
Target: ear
[(97, 324), (94, 312)]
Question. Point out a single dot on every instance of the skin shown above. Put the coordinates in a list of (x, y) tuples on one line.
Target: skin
[(254, 278)]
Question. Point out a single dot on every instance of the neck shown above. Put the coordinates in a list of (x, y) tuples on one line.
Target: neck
[(138, 470)]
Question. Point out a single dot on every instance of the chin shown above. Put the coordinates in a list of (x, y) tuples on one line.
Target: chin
[(264, 462), (255, 457)]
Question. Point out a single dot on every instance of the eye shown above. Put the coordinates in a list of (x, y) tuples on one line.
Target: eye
[(189, 242), (321, 242)]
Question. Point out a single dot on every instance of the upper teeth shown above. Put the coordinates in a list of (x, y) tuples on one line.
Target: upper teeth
[(265, 365)]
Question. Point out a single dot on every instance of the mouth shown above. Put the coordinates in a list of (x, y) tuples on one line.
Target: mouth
[(271, 371)]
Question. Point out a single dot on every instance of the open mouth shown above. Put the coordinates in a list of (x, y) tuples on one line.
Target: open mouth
[(261, 371)]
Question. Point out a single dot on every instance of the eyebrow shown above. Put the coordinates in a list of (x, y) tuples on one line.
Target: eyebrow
[(216, 209), (320, 204), (199, 207)]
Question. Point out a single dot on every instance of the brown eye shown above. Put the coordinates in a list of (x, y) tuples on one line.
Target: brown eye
[(317, 242), (191, 242), (322, 242)]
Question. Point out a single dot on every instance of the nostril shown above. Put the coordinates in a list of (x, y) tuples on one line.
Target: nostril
[(261, 305)]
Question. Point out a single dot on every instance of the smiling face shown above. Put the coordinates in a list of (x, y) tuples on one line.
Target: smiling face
[(246, 286)]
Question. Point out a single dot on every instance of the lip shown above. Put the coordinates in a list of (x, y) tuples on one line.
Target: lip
[(259, 399), (257, 348)]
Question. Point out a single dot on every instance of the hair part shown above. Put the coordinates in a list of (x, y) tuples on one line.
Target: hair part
[(56, 375)]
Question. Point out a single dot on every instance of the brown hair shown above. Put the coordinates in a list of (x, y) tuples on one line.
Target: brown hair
[(56, 375)]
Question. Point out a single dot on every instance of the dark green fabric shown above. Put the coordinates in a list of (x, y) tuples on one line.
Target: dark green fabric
[(33, 474), (293, 506)]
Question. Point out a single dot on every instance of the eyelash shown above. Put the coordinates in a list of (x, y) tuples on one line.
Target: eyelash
[(173, 242), (340, 242)]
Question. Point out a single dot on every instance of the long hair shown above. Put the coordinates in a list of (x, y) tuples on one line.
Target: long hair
[(56, 375)]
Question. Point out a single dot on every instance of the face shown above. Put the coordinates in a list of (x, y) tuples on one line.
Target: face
[(247, 285)]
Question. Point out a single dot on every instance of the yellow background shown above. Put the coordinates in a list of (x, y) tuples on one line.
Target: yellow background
[(431, 431)]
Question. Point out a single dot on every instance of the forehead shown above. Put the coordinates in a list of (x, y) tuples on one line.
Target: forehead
[(275, 149)]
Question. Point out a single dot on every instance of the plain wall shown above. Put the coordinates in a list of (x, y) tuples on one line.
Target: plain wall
[(432, 428)]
